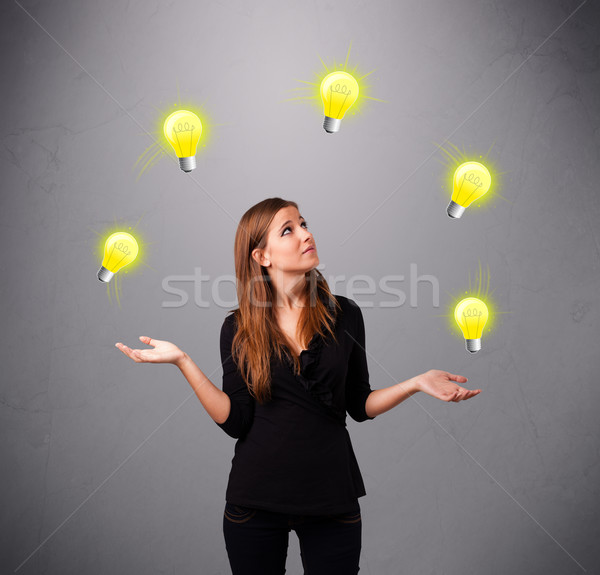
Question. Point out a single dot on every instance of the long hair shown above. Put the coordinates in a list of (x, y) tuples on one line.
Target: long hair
[(258, 334)]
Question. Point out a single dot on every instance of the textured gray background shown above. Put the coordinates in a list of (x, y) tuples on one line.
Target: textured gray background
[(98, 470)]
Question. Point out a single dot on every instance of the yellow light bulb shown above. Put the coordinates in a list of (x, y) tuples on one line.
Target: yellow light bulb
[(120, 249), (471, 315), (183, 130), (339, 91), (471, 181)]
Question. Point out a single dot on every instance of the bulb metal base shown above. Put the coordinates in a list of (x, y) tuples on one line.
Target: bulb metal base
[(187, 164), (473, 345), (105, 275), (331, 125), (454, 210)]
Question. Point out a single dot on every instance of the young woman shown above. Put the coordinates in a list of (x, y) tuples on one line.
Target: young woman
[(294, 364)]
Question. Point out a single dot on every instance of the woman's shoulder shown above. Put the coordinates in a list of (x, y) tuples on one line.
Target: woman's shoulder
[(349, 307), (229, 322), (346, 302)]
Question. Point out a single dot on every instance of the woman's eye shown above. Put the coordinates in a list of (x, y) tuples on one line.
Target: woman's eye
[(289, 228)]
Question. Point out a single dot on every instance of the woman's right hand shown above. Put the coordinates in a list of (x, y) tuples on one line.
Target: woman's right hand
[(163, 352)]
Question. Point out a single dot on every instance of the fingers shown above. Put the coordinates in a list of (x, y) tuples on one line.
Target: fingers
[(126, 350), (131, 353), (462, 394), (459, 378), (148, 340)]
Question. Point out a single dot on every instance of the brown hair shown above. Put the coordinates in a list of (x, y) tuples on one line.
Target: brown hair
[(258, 334)]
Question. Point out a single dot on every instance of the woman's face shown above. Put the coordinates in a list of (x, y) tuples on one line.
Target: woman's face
[(288, 239)]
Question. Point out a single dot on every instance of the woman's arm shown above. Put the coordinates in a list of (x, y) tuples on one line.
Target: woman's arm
[(437, 383), (215, 401), (364, 403), (382, 400), (241, 411)]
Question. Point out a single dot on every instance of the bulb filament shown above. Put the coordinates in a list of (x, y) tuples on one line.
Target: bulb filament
[(472, 313)]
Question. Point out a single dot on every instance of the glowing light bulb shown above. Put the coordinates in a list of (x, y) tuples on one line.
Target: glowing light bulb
[(339, 91), (471, 315), (120, 249), (183, 130), (471, 181)]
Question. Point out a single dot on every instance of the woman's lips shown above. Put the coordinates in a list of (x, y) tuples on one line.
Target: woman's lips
[(309, 250)]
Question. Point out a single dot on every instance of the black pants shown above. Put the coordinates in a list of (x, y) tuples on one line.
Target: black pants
[(257, 541)]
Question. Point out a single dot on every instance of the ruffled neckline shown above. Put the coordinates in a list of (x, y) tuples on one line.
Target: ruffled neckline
[(309, 361)]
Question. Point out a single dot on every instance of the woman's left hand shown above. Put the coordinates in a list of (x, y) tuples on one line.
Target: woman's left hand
[(442, 385)]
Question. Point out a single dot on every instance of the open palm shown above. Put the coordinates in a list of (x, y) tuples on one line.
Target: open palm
[(163, 352), (443, 385)]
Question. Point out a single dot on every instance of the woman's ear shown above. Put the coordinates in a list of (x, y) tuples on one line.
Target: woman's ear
[(260, 258)]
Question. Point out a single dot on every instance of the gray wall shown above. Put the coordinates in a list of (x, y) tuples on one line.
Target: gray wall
[(114, 467)]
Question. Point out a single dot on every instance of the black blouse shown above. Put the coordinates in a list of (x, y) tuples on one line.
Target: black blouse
[(294, 454)]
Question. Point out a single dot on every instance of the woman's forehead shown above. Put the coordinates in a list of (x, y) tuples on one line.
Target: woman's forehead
[(284, 214)]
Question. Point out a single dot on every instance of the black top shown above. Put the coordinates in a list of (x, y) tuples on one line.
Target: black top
[(293, 454)]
